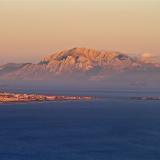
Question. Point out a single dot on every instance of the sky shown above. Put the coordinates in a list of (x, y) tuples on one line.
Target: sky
[(31, 29)]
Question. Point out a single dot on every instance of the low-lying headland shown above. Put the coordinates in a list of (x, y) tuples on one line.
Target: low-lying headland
[(150, 98), (6, 97)]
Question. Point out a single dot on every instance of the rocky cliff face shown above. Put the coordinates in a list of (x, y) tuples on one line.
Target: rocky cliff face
[(89, 63)]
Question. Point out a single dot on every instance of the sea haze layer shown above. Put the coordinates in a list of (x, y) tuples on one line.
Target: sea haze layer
[(109, 128)]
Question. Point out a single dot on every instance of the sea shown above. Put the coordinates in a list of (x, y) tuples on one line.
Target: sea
[(110, 127)]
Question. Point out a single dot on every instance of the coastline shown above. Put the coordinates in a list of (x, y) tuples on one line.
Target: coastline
[(6, 97)]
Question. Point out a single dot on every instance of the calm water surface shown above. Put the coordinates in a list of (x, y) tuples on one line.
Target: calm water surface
[(106, 129)]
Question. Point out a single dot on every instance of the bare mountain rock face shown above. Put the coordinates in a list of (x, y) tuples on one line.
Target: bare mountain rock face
[(86, 60)]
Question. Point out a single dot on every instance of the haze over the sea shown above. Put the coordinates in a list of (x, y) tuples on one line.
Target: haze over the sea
[(33, 28)]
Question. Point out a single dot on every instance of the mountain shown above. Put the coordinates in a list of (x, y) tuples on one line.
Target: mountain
[(10, 67), (86, 60), (83, 64)]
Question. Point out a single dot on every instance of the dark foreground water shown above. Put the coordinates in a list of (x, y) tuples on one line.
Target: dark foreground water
[(107, 129)]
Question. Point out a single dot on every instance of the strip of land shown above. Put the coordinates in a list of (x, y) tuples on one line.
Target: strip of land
[(15, 98), (146, 98)]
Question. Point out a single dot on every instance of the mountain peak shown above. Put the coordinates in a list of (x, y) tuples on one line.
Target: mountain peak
[(86, 60), (90, 54)]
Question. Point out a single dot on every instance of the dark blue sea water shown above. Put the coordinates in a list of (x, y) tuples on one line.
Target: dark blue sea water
[(102, 129)]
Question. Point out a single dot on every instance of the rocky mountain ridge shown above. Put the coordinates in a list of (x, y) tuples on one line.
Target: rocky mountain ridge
[(84, 62)]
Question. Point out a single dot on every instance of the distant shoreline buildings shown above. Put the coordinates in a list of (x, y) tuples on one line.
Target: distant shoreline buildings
[(13, 97)]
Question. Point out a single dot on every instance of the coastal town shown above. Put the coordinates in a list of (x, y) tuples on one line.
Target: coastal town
[(6, 97)]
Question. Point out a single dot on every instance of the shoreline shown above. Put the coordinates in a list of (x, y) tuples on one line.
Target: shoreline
[(6, 97)]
